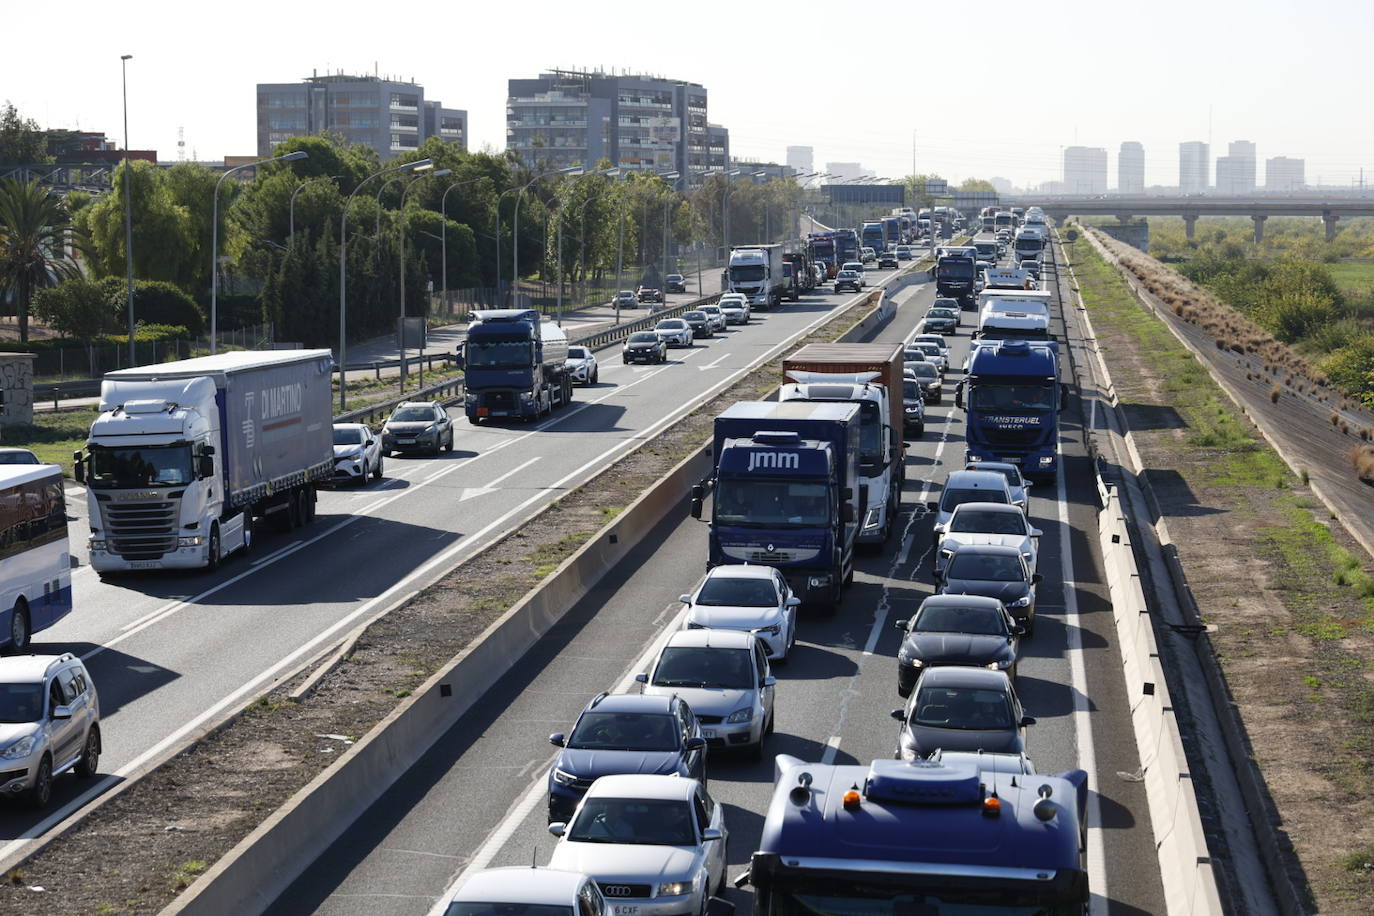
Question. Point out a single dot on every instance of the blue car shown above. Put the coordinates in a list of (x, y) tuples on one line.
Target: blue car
[(624, 734)]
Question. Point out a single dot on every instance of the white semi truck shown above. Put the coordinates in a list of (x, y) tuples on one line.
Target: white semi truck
[(184, 455), (757, 272)]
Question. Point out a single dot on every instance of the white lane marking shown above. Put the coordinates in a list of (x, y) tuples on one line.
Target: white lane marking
[(1082, 723), (723, 358), (470, 492), (832, 746)]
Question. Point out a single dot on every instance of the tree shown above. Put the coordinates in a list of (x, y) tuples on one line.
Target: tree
[(164, 248), (156, 302), (916, 188), (35, 234), (77, 308), (22, 141), (977, 184)]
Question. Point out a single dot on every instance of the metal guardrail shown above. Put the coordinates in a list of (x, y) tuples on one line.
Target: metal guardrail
[(619, 332), (449, 392)]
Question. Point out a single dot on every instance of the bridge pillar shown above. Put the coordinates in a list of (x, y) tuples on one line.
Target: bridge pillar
[(1190, 225), (1259, 228), (1329, 219)]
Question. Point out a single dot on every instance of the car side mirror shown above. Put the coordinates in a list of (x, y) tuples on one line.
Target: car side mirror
[(769, 680), (794, 601), (1027, 720), (933, 506), (1018, 630), (1036, 532), (695, 743), (642, 678), (898, 714), (557, 739), (1036, 578), (685, 599), (62, 712), (558, 828), (903, 625), (711, 833), (939, 529)]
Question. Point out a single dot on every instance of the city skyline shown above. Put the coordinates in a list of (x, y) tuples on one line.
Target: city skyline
[(1159, 100)]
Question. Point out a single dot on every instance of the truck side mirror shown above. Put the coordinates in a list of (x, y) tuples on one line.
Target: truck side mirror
[(698, 491), (78, 467), (847, 513), (847, 493), (696, 507), (1063, 395), (459, 357), (206, 467)]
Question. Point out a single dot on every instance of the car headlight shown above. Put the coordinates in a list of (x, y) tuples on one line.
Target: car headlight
[(1023, 601), (774, 630), (193, 541), (563, 778), (740, 715), (946, 553), (871, 518), (1001, 665), (674, 888), (21, 748)]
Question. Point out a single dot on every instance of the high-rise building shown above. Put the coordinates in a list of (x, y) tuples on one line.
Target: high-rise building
[(1284, 174), (1085, 170), (1130, 168), (801, 159), (1236, 170), (568, 118), (391, 116), (1193, 171)]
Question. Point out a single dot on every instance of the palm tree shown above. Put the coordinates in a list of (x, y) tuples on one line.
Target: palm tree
[(34, 235)]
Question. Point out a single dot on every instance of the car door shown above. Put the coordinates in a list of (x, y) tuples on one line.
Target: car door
[(710, 816), (64, 735), (445, 421), (763, 673), (780, 585)]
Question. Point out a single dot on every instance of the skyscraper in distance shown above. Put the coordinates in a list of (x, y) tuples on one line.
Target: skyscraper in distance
[(1193, 167), (1130, 168)]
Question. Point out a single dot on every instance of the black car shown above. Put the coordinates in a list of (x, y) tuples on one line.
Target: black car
[(675, 283), (848, 279), (913, 408), (928, 375), (418, 426), (994, 571), (956, 630), (644, 347), (624, 734), (887, 260), (700, 322), (961, 709)]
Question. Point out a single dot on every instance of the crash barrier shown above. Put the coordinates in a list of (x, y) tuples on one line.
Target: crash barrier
[(448, 392), (618, 332), (263, 864)]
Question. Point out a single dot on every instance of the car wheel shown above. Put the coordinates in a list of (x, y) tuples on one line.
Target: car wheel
[(920, 430), (90, 754), (1030, 625), (448, 446), (41, 792), (377, 472), (20, 631)]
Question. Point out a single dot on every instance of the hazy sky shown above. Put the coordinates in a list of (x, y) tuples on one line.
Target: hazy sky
[(989, 88)]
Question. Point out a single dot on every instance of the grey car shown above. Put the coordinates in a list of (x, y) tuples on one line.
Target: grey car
[(701, 325), (962, 709), (49, 724), (968, 630), (418, 426), (995, 571)]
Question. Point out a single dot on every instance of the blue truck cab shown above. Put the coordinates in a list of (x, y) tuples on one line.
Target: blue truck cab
[(787, 493), (954, 276), (1012, 397), (954, 834), (514, 365)]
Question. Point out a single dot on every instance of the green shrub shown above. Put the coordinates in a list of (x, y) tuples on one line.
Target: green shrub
[(157, 303)]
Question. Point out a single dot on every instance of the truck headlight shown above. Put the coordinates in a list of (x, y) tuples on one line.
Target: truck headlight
[(563, 778), (21, 748), (193, 541), (740, 715), (1046, 460), (674, 888)]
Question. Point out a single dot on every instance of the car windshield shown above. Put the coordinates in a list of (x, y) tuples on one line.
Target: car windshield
[(847, 275), (625, 731), (644, 822), (911, 389), (578, 353), (729, 591), (955, 496), (501, 908), (922, 369), (710, 309), (498, 354), (766, 503), (704, 666), (642, 337), (970, 708), (120, 468), (694, 316), (943, 618), (672, 325), (413, 415), (928, 349), (986, 521), (348, 436), (1012, 397), (942, 313), (1012, 475), (21, 703), (18, 456), (986, 567), (673, 278)]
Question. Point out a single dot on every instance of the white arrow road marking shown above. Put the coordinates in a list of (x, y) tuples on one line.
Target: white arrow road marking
[(492, 487), (723, 358)]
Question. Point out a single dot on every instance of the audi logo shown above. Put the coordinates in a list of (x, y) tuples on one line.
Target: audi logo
[(616, 890)]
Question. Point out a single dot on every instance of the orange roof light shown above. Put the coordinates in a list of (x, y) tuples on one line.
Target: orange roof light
[(992, 806), (851, 800)]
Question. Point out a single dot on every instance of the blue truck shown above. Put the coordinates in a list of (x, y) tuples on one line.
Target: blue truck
[(954, 274), (954, 834), (514, 365), (874, 235), (786, 493), (1012, 397)]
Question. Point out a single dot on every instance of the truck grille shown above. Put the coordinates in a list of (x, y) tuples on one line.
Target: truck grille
[(141, 531), (501, 400), (1013, 436)]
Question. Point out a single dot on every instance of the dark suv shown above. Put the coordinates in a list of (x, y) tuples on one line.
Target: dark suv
[(624, 734), (675, 283), (418, 426)]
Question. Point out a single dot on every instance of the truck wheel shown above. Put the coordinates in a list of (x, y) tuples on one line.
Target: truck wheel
[(308, 498), (20, 631), (212, 549)]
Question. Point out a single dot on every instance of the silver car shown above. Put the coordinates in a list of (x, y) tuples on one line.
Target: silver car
[(674, 332), (755, 599), (581, 365), (735, 308), (717, 316), (526, 889), (49, 724), (724, 676), (1017, 484), (654, 844)]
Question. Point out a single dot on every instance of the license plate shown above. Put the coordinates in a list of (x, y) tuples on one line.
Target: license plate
[(709, 733), (624, 909), (143, 564), (405, 441), (481, 411)]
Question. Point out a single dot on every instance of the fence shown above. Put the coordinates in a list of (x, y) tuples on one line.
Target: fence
[(93, 362)]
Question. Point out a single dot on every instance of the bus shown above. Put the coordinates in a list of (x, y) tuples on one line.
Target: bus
[(35, 559)]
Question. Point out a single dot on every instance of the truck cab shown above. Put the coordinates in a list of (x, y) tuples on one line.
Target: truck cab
[(515, 365), (1012, 396)]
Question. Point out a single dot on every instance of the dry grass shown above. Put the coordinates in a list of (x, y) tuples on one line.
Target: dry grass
[(1362, 458)]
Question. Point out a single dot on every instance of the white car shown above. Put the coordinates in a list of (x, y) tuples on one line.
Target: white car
[(735, 308), (357, 453), (936, 339), (581, 365), (858, 268), (904, 253), (867, 254), (717, 316), (655, 845), (755, 599), (969, 487), (674, 332), (525, 889), (1015, 482), (724, 677), (986, 523)]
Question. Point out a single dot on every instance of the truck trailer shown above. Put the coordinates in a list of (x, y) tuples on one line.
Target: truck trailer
[(514, 365), (786, 493), (756, 271), (184, 455)]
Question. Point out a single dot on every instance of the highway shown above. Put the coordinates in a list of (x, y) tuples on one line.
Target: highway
[(478, 797), (172, 653)]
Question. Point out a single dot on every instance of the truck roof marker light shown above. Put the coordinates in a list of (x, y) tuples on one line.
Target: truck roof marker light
[(992, 806), (851, 798)]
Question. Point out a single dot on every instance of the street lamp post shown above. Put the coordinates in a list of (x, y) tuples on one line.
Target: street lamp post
[(214, 238), (515, 223), (443, 240), (676, 179), (417, 165), (291, 208), (401, 246), (377, 224), (128, 203)]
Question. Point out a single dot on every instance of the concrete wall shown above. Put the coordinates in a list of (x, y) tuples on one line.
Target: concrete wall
[(16, 388)]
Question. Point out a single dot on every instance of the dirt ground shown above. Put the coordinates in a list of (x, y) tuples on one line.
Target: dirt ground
[(139, 850), (1264, 562)]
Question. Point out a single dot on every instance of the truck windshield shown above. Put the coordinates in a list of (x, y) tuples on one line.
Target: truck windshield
[(123, 468), (875, 900), (870, 437), (992, 332), (1015, 398), (749, 273), (958, 270), (763, 503), (498, 354)]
